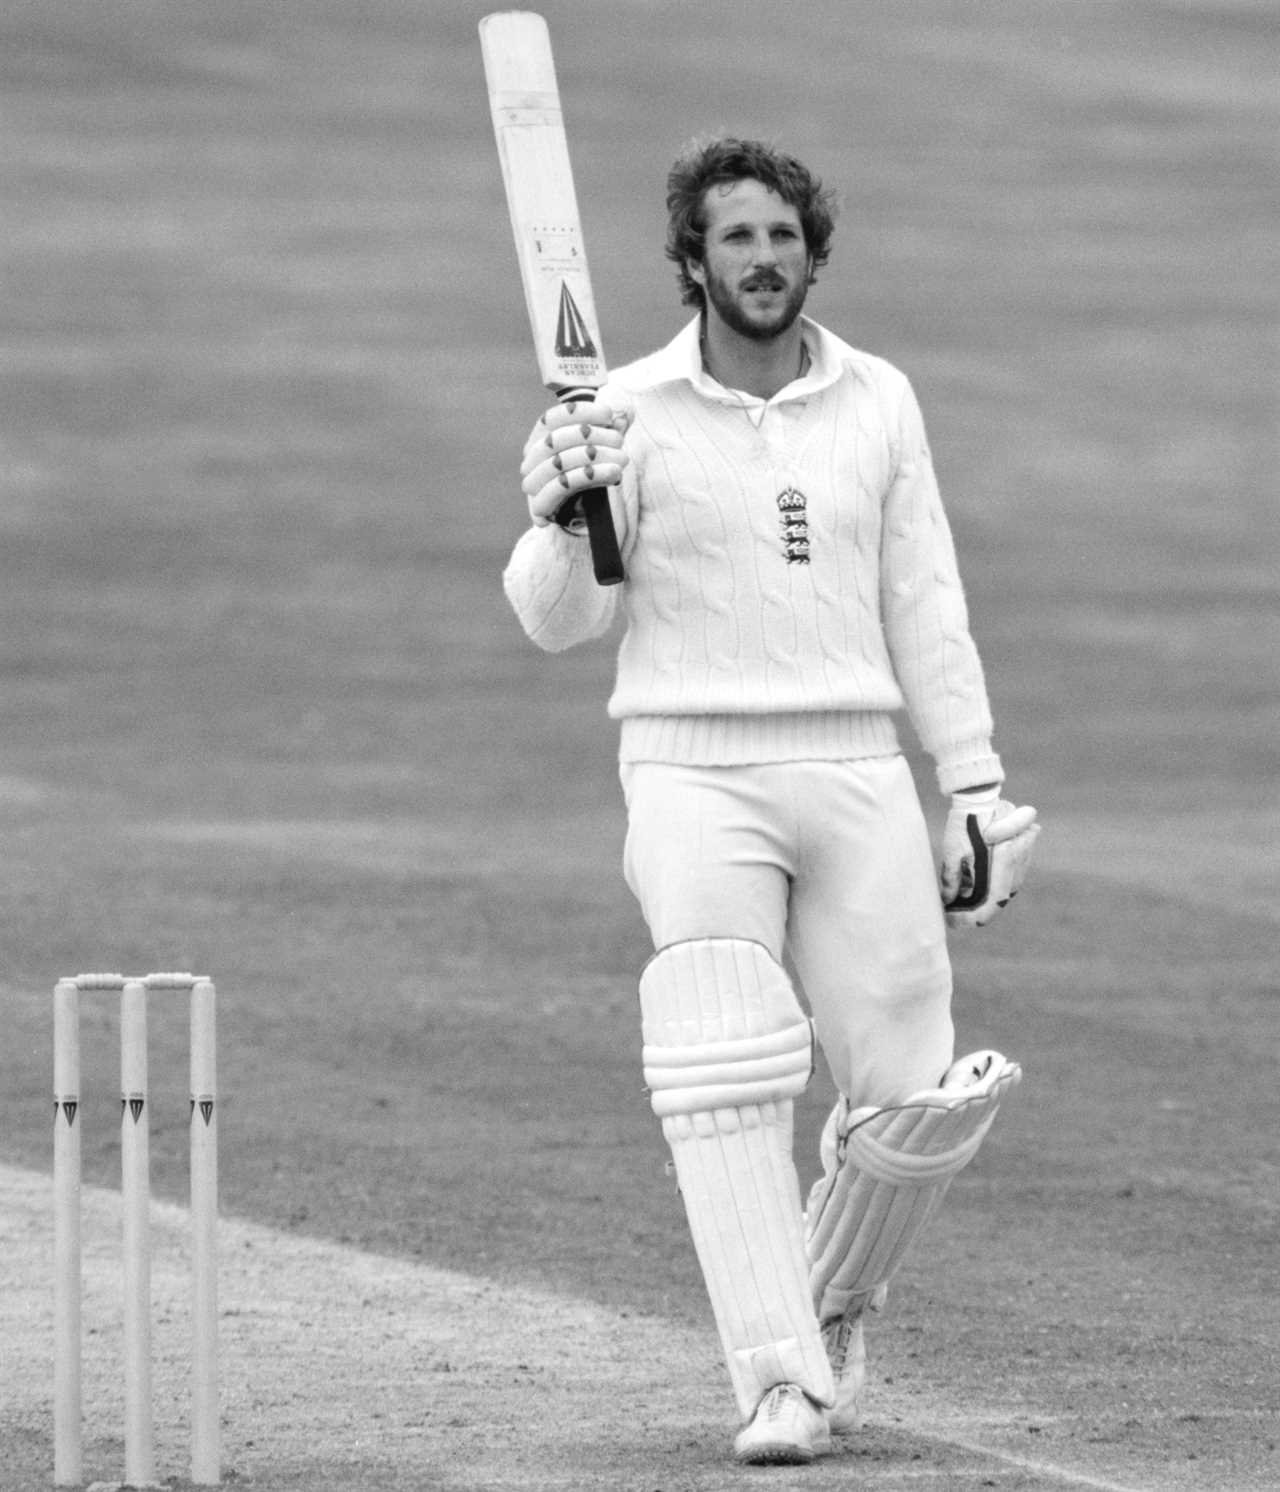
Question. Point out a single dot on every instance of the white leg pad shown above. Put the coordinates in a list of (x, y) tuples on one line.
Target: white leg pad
[(886, 1171), (727, 1049)]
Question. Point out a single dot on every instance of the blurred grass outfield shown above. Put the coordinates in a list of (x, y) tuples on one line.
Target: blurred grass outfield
[(263, 711)]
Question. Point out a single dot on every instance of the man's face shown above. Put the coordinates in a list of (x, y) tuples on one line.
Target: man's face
[(755, 267)]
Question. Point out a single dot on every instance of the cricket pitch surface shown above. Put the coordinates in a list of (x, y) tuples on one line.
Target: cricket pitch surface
[(343, 1367)]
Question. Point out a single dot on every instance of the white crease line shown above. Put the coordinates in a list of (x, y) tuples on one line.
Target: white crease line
[(1061, 1474)]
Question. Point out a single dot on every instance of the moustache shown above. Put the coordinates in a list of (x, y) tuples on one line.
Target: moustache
[(764, 282)]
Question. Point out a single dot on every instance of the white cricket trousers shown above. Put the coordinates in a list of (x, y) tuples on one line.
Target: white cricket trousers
[(828, 865)]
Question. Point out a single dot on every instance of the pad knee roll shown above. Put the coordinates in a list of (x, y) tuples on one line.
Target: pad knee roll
[(722, 1028)]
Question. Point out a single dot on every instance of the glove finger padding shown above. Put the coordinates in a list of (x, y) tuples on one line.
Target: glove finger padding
[(1006, 868), (584, 412), (554, 482), (546, 445), (571, 449), (986, 851)]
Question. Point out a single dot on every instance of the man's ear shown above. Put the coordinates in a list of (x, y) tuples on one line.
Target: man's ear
[(693, 268)]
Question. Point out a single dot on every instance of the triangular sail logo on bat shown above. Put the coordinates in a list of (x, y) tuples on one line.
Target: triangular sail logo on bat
[(572, 337)]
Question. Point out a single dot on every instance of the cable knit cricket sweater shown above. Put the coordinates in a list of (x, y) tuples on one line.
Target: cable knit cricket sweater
[(791, 579)]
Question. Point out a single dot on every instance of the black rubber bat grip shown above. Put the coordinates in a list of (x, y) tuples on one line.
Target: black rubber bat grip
[(606, 558)]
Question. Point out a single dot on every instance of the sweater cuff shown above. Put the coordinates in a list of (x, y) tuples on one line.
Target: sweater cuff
[(968, 766)]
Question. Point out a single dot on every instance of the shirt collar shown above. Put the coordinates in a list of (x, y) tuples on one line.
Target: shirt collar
[(681, 361)]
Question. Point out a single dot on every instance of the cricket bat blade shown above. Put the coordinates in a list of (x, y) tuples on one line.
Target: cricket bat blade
[(533, 151)]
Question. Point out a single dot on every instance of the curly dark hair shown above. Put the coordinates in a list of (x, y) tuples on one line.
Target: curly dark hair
[(723, 161)]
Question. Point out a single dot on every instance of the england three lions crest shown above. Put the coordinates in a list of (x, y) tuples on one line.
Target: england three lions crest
[(795, 525)]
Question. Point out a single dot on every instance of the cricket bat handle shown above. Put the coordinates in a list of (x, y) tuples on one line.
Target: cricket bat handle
[(606, 558)]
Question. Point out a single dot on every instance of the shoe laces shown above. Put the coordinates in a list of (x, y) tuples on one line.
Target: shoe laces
[(777, 1401)]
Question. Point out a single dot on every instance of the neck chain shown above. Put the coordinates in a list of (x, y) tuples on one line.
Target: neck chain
[(754, 420)]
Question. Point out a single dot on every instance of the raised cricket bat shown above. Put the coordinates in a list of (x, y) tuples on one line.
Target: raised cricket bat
[(524, 100)]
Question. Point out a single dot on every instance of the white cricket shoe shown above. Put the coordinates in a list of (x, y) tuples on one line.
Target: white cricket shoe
[(787, 1429), (847, 1354)]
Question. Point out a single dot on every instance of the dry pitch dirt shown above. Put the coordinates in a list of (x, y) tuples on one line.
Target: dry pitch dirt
[(265, 715)]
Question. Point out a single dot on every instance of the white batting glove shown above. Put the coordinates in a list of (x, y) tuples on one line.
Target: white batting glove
[(986, 849), (573, 447)]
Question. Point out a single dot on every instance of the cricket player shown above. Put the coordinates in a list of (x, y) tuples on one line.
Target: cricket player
[(791, 586)]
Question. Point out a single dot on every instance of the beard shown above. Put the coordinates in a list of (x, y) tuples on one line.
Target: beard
[(730, 305)]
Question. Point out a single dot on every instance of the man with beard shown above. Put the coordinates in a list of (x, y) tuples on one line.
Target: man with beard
[(790, 586)]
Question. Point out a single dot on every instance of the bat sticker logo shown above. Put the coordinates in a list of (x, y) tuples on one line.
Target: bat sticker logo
[(572, 337)]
